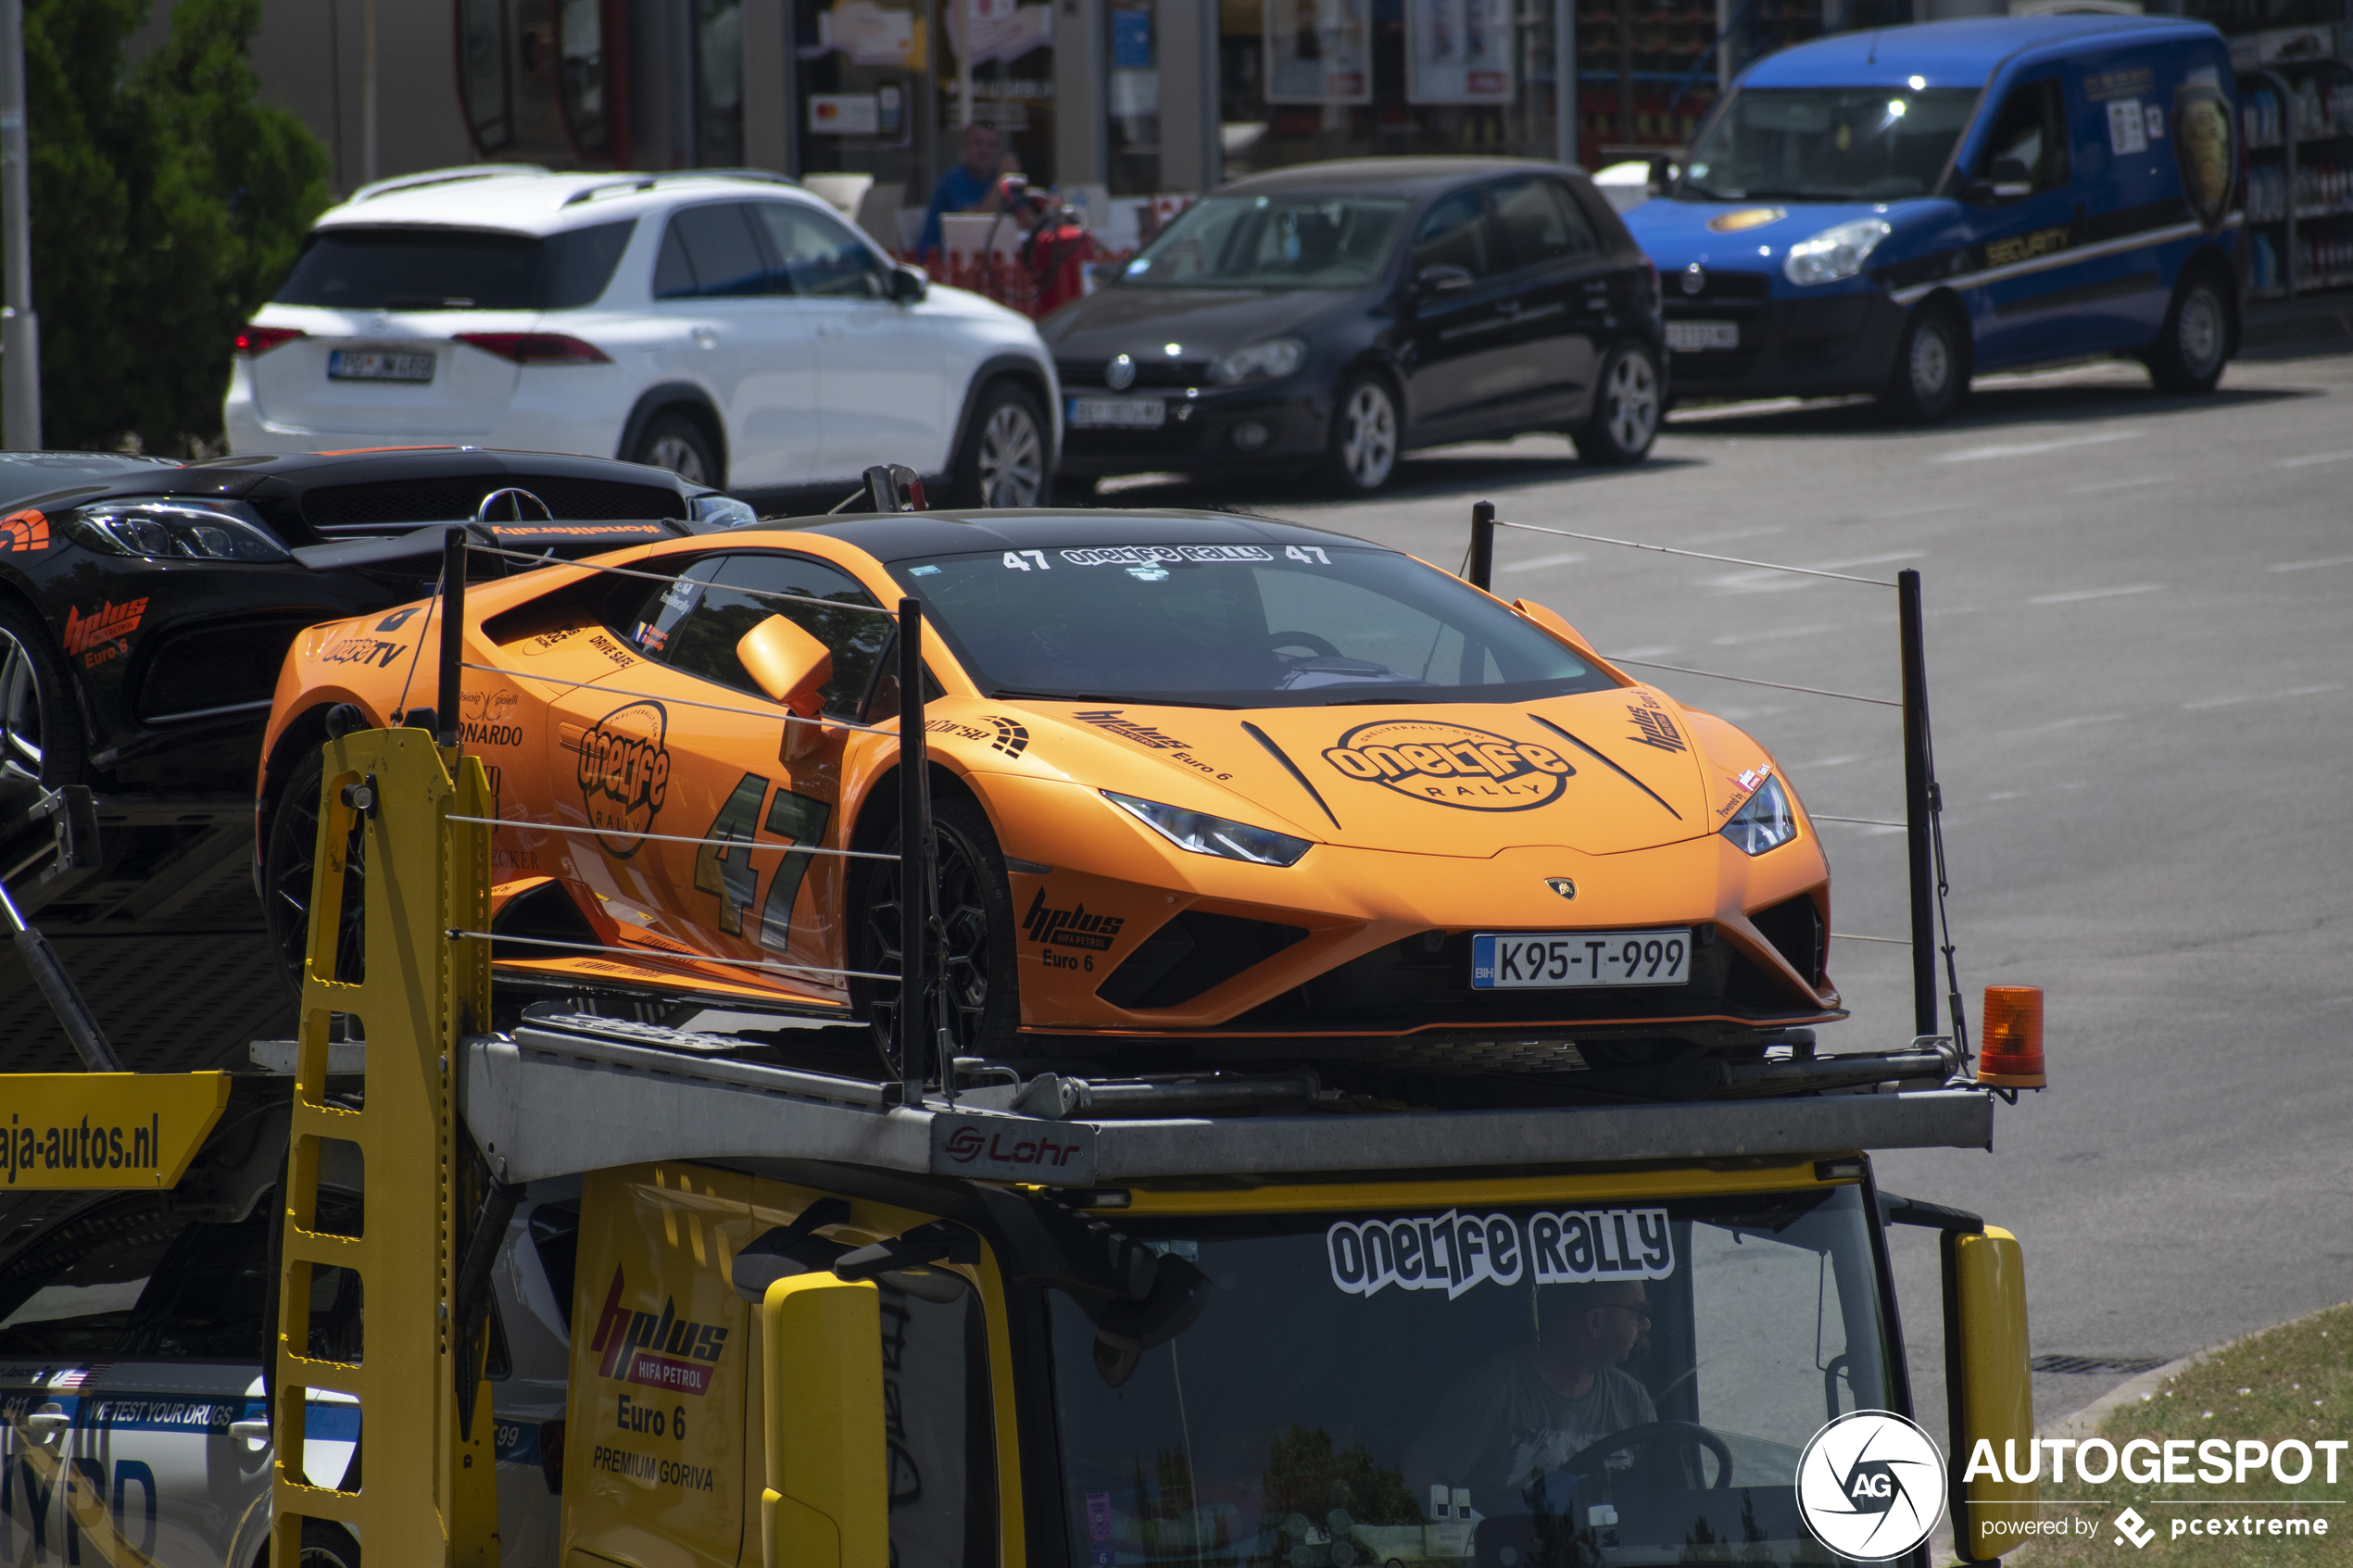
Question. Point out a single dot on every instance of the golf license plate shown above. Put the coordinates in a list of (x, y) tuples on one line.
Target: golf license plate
[(378, 364), (1684, 337), (1118, 413), (1550, 960)]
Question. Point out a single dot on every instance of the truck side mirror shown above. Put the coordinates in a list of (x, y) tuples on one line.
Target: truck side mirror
[(1989, 1390), (825, 1500), (787, 663), (2008, 181)]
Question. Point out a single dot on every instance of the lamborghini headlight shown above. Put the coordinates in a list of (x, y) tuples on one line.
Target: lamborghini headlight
[(1765, 822), (1261, 361), (1837, 252), (1205, 834), (174, 531)]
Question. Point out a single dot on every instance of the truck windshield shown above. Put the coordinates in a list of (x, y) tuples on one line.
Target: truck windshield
[(1828, 143), (1572, 1383), (1235, 626)]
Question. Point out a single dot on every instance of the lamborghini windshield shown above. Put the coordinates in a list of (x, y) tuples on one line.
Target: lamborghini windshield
[(1828, 143), (1235, 626), (1546, 1387)]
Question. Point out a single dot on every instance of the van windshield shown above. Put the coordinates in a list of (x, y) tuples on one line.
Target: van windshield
[(393, 268), (1565, 1384), (1828, 143)]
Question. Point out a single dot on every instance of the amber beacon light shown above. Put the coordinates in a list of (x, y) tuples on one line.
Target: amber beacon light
[(2011, 1056)]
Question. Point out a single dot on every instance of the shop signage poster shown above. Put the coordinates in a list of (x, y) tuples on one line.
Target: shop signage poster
[(1458, 51), (1318, 52)]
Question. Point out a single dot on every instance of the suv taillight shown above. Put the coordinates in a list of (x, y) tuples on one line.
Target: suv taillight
[(537, 348), (261, 340)]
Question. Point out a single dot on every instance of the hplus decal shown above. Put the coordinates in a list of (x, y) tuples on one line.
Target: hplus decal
[(1654, 728), (26, 530), (1118, 723), (105, 632), (624, 774), (1452, 764), (655, 1350), (1073, 927)]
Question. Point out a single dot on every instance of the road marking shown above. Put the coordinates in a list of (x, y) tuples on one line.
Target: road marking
[(1825, 762), (2027, 448), (2081, 594), (2118, 484), (2266, 697), (2310, 565), (2315, 457), (1659, 652), (2067, 724), (1771, 636), (1923, 511), (1731, 533), (1771, 582), (1566, 558)]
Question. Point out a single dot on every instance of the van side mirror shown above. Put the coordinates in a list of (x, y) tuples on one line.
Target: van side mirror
[(1553, 622), (787, 663), (825, 1500), (2008, 181), (909, 284), (1989, 1389), (1443, 278)]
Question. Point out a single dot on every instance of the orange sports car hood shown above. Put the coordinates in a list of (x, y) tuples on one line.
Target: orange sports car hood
[(1601, 772)]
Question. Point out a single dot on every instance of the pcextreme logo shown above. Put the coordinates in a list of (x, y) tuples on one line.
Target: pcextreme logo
[(1871, 1486), (656, 1351)]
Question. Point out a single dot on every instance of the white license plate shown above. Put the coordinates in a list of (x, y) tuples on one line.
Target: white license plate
[(1550, 961), (377, 364), (1684, 337), (1120, 413)]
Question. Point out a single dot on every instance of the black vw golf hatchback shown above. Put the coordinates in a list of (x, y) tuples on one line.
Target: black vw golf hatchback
[(1334, 315)]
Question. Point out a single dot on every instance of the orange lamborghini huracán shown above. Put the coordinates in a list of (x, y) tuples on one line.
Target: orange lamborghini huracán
[(1205, 789)]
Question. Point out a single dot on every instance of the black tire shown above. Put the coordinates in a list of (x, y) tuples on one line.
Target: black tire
[(40, 728), (1360, 455), (1627, 407), (1003, 460), (981, 986), (681, 445), (1931, 375), (290, 851), (2193, 346)]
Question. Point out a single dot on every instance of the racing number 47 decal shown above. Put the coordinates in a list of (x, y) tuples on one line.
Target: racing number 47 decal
[(721, 870)]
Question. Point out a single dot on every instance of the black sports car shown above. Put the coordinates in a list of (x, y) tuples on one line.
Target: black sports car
[(146, 607), (1341, 313)]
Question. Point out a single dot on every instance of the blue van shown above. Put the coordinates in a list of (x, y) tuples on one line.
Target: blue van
[(1892, 211)]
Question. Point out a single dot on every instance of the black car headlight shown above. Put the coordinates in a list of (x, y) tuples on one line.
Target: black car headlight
[(174, 531), (1261, 361), (1765, 822), (1205, 834)]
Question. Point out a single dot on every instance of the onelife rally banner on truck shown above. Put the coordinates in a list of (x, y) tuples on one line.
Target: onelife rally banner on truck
[(96, 1131)]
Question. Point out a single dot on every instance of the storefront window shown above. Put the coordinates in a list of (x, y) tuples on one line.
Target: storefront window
[(1003, 56), (582, 87), (719, 83), (482, 72), (544, 81), (1307, 79), (865, 70), (1134, 99)]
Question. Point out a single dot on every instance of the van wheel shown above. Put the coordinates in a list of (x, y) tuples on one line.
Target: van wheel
[(1625, 408), (2195, 344), (678, 444), (1931, 372)]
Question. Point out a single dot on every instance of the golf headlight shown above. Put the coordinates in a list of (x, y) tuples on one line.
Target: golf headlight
[(1834, 253), (1765, 822), (174, 531), (1205, 834), (1261, 361)]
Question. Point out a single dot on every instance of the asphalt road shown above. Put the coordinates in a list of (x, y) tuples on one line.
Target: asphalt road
[(2138, 641)]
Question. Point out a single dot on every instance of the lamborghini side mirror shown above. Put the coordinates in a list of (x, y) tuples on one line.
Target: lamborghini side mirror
[(787, 663)]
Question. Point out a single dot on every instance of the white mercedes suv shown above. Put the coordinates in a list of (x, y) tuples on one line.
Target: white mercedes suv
[(726, 325)]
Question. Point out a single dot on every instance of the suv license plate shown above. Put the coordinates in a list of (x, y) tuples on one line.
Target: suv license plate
[(1543, 960), (1119, 413), (1684, 337), (377, 364)]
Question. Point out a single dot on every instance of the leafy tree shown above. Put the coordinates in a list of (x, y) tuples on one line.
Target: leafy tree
[(1304, 1474), (167, 201)]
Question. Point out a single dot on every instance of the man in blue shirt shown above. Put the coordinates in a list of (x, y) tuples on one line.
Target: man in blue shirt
[(969, 186)]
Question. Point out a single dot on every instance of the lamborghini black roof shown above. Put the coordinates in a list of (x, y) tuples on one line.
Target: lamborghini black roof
[(895, 537)]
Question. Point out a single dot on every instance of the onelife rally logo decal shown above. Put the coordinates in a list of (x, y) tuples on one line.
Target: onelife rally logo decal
[(1452, 765), (664, 1351), (1871, 1486), (624, 775), (488, 718), (105, 632)]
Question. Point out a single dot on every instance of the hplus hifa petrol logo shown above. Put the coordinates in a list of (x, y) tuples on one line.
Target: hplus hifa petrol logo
[(655, 1349)]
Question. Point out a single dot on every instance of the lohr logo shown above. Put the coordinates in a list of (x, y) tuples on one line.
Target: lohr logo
[(1452, 765), (624, 774), (1871, 1486)]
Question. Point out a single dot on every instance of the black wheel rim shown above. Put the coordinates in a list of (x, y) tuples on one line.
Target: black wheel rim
[(290, 888), (965, 969), (21, 730)]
